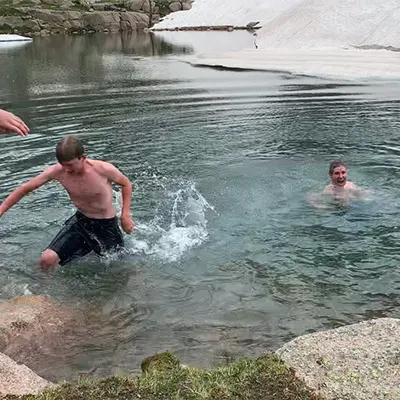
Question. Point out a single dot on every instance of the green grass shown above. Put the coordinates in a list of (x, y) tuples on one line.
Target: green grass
[(266, 378)]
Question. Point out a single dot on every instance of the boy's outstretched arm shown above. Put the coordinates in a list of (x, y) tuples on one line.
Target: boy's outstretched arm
[(114, 175), (25, 188)]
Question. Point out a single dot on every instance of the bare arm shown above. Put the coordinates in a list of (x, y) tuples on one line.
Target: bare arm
[(358, 191), (316, 199), (11, 123), (25, 188), (114, 175)]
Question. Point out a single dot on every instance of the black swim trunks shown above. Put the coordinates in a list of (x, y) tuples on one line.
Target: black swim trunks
[(81, 235)]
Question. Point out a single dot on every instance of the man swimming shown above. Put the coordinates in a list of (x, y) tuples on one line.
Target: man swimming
[(340, 187), (340, 190), (11, 123), (88, 183)]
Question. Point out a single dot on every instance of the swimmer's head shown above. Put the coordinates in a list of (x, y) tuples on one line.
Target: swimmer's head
[(338, 173), (70, 154)]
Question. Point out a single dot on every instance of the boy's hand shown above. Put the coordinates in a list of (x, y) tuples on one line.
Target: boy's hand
[(127, 223), (11, 123)]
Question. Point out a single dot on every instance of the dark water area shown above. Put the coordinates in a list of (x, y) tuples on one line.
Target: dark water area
[(228, 259)]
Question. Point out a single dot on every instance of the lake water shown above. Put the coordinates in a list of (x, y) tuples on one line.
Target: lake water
[(228, 259)]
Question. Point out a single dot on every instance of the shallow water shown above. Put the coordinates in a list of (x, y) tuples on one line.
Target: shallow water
[(228, 258)]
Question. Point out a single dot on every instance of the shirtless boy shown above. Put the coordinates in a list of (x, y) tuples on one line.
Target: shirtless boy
[(88, 183), (339, 189)]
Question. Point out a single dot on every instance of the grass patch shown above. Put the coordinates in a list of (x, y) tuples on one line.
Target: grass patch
[(266, 378)]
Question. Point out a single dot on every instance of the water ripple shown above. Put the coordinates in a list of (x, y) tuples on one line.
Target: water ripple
[(227, 258)]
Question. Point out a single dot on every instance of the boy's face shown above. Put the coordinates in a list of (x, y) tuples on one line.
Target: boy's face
[(339, 176), (74, 166)]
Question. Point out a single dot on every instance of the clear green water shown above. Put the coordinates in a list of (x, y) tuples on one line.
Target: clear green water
[(228, 258)]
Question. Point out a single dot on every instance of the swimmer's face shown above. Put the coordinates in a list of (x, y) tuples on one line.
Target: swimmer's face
[(74, 166), (339, 176)]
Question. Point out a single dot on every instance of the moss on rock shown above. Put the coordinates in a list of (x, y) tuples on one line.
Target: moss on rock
[(160, 362)]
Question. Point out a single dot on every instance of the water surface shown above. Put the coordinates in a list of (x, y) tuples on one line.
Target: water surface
[(228, 259)]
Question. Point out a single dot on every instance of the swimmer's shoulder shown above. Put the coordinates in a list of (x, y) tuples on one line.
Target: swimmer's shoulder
[(101, 167), (351, 186), (98, 164), (53, 172), (328, 189)]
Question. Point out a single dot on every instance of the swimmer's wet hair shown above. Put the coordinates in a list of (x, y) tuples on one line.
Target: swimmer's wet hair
[(334, 164), (68, 149)]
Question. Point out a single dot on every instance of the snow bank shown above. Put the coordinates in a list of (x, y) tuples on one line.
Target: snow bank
[(226, 12), (325, 63), (332, 38), (334, 23), (13, 38)]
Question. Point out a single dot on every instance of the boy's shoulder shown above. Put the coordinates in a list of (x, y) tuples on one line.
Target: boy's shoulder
[(101, 166), (98, 163), (53, 171), (328, 188), (351, 185)]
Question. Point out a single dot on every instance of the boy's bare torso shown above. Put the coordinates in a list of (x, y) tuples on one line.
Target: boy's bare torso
[(90, 191), (347, 192)]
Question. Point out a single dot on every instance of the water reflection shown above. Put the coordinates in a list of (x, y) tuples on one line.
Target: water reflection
[(74, 58)]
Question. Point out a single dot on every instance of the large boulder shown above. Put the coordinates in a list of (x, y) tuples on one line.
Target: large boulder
[(354, 362), (99, 21), (186, 5), (134, 21), (175, 6), (48, 16), (133, 5), (18, 379), (16, 24)]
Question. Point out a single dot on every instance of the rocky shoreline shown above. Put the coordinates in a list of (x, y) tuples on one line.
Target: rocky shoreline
[(358, 361), (44, 17)]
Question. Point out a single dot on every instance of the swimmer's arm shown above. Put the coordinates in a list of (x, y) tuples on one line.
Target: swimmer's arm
[(327, 190), (114, 175), (315, 199), (27, 187), (360, 191)]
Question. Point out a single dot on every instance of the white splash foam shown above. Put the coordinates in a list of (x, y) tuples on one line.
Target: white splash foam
[(179, 225)]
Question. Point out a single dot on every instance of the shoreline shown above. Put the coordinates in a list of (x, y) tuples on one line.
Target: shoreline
[(358, 360), (228, 28), (325, 63), (74, 17)]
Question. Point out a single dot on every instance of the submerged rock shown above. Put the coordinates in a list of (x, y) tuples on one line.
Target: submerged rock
[(38, 332)]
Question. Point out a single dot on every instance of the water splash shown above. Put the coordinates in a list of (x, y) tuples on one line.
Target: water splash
[(179, 224)]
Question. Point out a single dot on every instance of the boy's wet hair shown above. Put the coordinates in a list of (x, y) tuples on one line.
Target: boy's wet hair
[(68, 149), (334, 164)]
